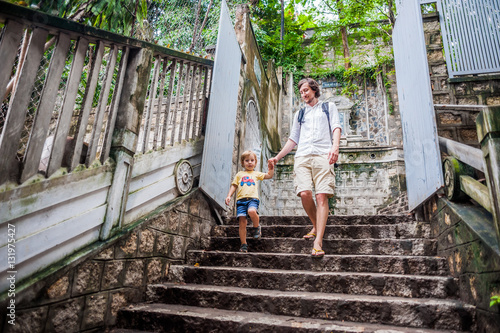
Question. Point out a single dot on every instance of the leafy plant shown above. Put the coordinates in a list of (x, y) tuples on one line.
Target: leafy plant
[(119, 16), (494, 300)]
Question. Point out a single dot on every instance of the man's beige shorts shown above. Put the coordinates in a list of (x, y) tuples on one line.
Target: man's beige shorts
[(314, 170)]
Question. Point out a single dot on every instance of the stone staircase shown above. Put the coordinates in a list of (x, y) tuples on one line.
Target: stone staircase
[(380, 274)]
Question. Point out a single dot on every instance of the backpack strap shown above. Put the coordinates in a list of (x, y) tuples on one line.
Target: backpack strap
[(324, 107), (301, 115)]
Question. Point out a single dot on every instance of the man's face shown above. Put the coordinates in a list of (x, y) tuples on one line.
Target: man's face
[(307, 93)]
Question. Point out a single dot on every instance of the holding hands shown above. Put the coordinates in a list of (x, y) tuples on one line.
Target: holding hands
[(271, 164)]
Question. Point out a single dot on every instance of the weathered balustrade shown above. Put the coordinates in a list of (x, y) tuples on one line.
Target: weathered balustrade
[(177, 99), (463, 161), (79, 107), (59, 84)]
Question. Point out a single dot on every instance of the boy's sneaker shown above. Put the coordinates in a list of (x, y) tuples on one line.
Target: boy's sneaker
[(244, 248), (257, 232)]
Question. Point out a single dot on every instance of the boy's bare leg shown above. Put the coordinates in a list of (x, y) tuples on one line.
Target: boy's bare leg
[(254, 216), (310, 208), (321, 218), (243, 229)]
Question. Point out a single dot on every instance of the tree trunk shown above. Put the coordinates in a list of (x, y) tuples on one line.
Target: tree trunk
[(345, 46), (392, 19), (204, 22), (343, 31), (195, 29)]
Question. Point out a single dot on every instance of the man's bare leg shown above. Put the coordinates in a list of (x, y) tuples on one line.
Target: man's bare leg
[(321, 217), (309, 207)]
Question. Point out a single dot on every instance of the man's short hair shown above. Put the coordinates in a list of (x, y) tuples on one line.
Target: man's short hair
[(312, 83), (246, 154)]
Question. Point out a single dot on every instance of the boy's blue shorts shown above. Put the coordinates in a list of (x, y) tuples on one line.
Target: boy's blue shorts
[(244, 204)]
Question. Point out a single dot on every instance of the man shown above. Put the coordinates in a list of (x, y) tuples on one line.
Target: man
[(312, 131)]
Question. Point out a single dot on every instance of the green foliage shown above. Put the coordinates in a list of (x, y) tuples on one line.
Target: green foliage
[(494, 300), (429, 8), (290, 53), (366, 22), (118, 16), (173, 23)]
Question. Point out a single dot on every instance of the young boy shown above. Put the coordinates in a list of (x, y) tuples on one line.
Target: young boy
[(247, 196)]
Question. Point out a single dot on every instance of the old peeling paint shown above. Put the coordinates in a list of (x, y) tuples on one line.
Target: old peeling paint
[(472, 284), (447, 219)]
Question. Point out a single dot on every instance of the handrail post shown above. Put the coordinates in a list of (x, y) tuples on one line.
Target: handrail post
[(125, 135), (488, 132)]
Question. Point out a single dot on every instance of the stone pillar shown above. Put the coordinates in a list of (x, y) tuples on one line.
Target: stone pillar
[(125, 135), (488, 132)]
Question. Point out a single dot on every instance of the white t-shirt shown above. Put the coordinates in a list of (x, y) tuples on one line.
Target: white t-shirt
[(313, 137)]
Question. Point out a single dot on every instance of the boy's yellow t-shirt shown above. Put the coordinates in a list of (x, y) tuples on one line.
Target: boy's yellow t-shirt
[(248, 187)]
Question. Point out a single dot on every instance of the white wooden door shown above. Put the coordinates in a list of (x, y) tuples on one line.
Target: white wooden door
[(215, 175), (424, 175)]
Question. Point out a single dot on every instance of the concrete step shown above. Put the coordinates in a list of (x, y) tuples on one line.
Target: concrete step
[(386, 246), (395, 231), (332, 220), (397, 311), (181, 318), (388, 264), (397, 285)]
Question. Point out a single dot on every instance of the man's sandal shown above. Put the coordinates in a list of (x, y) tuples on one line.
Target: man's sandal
[(317, 253), (309, 236)]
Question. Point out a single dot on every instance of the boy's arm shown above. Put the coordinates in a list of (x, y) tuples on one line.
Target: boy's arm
[(232, 189), (270, 170)]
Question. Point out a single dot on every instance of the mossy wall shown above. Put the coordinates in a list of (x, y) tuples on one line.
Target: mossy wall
[(85, 295), (466, 237)]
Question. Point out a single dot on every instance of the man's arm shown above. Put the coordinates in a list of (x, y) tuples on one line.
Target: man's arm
[(289, 145), (333, 154)]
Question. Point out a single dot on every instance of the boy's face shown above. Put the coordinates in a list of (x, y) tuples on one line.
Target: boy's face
[(249, 163)]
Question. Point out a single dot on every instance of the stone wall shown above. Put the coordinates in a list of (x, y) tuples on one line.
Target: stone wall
[(371, 174), (86, 295), (466, 237), (457, 123), (273, 92), (369, 180)]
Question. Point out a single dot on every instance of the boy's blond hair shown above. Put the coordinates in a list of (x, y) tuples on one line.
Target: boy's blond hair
[(246, 154)]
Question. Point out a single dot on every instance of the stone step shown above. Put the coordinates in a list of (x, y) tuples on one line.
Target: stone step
[(181, 318), (128, 330), (416, 247), (412, 265), (397, 311), (394, 231), (397, 285), (332, 220)]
